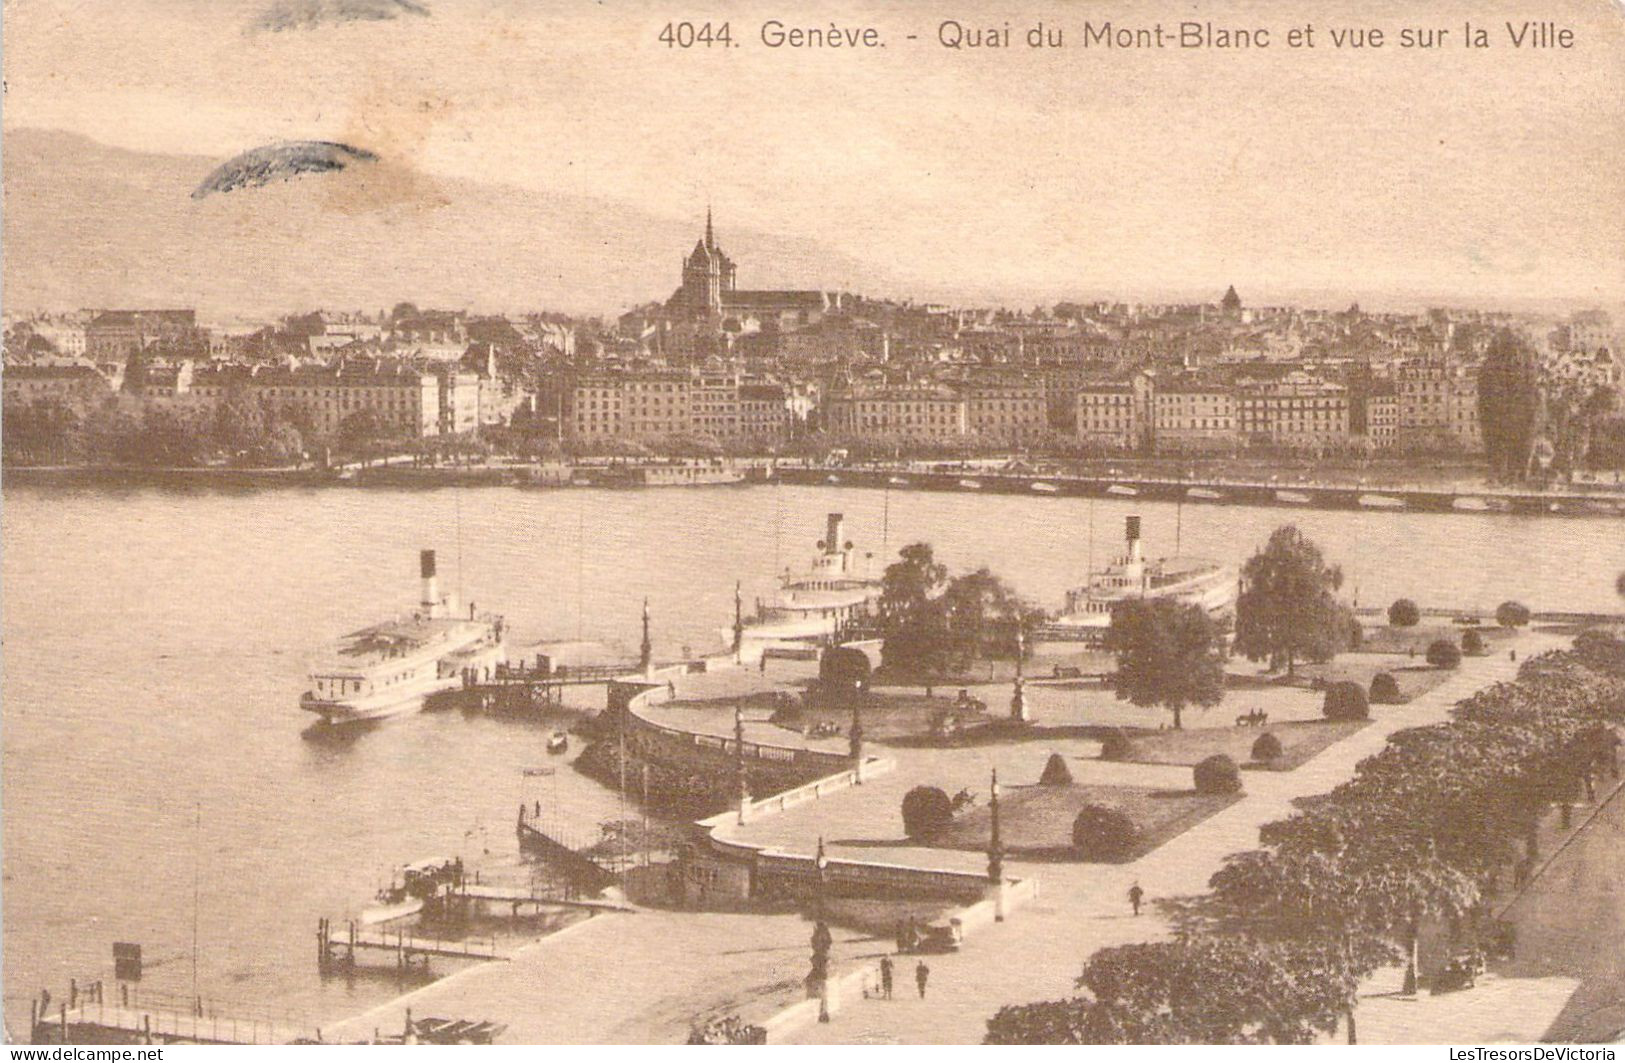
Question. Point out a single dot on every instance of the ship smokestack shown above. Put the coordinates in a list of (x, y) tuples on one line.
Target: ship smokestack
[(1131, 532), (832, 534), (431, 586)]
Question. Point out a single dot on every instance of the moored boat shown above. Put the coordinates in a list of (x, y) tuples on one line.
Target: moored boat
[(811, 606), (1192, 580), (389, 669)]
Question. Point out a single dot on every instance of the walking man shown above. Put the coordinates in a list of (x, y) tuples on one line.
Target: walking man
[(921, 973), (885, 977), (1135, 896)]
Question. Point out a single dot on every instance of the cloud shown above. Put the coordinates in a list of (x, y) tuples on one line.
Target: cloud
[(281, 162), (309, 14)]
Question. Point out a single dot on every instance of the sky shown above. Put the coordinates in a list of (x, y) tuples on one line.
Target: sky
[(1482, 173)]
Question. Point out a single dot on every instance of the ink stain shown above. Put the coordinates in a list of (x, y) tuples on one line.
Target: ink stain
[(310, 14), (281, 161)]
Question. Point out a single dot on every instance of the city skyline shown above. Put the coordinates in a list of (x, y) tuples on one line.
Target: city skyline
[(1104, 173)]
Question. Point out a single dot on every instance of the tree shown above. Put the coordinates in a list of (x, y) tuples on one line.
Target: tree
[(912, 620), (1266, 747), (1217, 774), (1287, 609), (1508, 405), (843, 672), (1105, 833), (1384, 689), (1202, 990), (1472, 643), (982, 615), (1442, 653), (926, 811), (1167, 654), (1056, 773), (1512, 614), (1345, 701), (1404, 613)]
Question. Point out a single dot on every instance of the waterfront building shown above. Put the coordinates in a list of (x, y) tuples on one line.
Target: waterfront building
[(1109, 414), (70, 385), (1438, 402), (1190, 415), (405, 400), (764, 411), (1295, 410), (1010, 411), (912, 411)]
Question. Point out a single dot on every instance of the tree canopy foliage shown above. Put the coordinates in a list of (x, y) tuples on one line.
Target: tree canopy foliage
[(1288, 609), (1168, 654), (934, 625)]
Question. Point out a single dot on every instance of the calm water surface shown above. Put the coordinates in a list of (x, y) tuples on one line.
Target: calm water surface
[(155, 645)]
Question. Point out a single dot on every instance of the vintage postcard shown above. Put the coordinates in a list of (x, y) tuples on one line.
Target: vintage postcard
[(837, 523)]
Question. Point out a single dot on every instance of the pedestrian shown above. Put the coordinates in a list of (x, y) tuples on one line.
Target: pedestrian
[(921, 973), (1135, 896), (1512, 655), (885, 977)]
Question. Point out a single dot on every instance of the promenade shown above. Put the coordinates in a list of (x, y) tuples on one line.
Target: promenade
[(1038, 953), (646, 977)]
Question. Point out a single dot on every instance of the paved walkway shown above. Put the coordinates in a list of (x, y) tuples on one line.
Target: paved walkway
[(645, 977), (1038, 953)]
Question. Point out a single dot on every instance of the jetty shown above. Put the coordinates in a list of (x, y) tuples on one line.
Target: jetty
[(90, 1019), (341, 945)]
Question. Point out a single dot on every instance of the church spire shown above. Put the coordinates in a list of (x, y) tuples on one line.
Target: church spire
[(710, 241)]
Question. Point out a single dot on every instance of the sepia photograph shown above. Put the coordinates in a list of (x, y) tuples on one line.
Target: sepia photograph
[(848, 523)]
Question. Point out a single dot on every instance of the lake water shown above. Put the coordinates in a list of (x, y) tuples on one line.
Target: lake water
[(155, 644)]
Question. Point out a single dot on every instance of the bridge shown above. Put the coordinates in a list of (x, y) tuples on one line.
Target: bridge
[(1220, 491)]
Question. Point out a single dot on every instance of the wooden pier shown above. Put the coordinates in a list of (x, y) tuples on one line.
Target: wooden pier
[(577, 866), (92, 1020), (515, 688), (340, 945)]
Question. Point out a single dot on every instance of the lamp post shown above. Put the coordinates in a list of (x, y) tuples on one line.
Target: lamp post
[(739, 623), (741, 779), (822, 939), (645, 649), (995, 851)]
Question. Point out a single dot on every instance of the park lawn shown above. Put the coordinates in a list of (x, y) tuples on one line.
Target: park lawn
[(1035, 822), (1414, 676), (884, 716), (1407, 640), (1300, 740)]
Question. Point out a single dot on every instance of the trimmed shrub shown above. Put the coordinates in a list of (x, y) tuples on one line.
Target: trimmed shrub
[(1115, 745), (1266, 747), (1102, 832), (1404, 613), (1346, 701), (1512, 614), (1442, 653), (926, 811), (1384, 689), (1472, 643), (1356, 637), (1217, 774), (843, 671), (1056, 773)]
